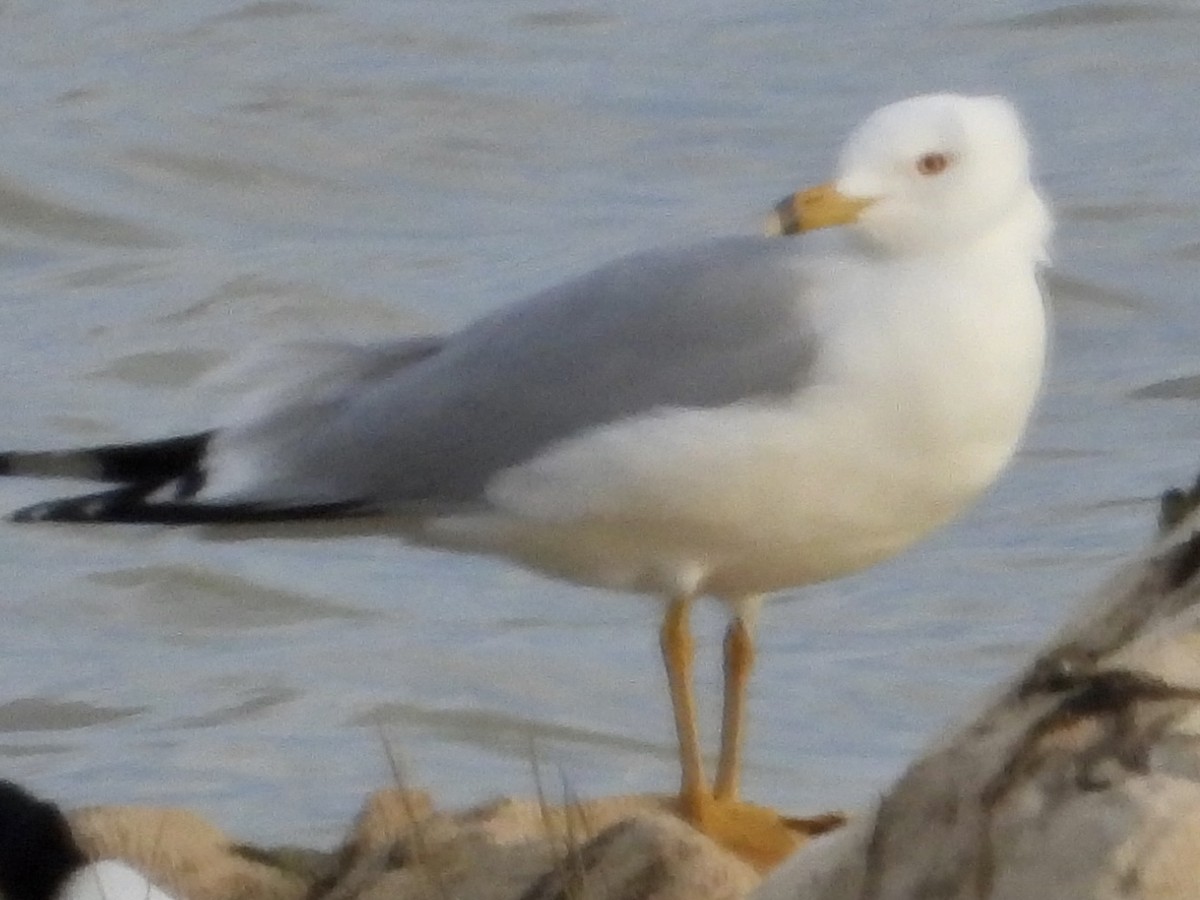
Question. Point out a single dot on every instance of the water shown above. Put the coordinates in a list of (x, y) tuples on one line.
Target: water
[(179, 180)]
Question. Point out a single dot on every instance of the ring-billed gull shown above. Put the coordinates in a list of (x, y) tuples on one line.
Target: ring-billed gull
[(728, 419)]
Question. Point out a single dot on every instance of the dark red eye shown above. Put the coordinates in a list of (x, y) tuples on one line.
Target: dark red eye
[(933, 163)]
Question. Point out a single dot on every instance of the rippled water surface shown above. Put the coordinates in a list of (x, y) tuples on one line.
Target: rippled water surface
[(180, 180)]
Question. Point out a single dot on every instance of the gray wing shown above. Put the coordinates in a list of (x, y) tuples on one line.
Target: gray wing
[(700, 327)]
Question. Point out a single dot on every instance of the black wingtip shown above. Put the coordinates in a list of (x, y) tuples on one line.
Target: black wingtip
[(154, 462), (129, 505), (106, 506), (148, 464)]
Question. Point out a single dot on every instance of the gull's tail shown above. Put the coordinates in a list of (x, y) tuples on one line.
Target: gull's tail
[(158, 481)]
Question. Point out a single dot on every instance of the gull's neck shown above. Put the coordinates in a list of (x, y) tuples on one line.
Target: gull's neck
[(1021, 235), (1025, 230)]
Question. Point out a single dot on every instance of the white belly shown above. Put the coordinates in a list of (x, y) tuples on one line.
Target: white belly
[(729, 502)]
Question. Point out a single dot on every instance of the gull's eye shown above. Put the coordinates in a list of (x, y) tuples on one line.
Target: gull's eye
[(934, 163)]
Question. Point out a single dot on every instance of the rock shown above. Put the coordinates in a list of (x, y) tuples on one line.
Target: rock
[(183, 853), (612, 848), (1080, 780), (400, 847)]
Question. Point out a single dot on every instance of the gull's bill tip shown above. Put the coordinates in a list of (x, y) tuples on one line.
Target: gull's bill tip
[(823, 206)]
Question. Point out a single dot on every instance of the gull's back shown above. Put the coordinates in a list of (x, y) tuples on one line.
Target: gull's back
[(700, 327)]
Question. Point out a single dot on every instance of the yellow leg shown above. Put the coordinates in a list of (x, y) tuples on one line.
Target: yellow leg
[(678, 650), (739, 662), (757, 834)]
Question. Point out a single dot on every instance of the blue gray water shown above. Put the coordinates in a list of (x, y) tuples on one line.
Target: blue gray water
[(179, 180)]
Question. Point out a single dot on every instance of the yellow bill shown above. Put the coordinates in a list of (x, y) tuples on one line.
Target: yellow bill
[(819, 207)]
